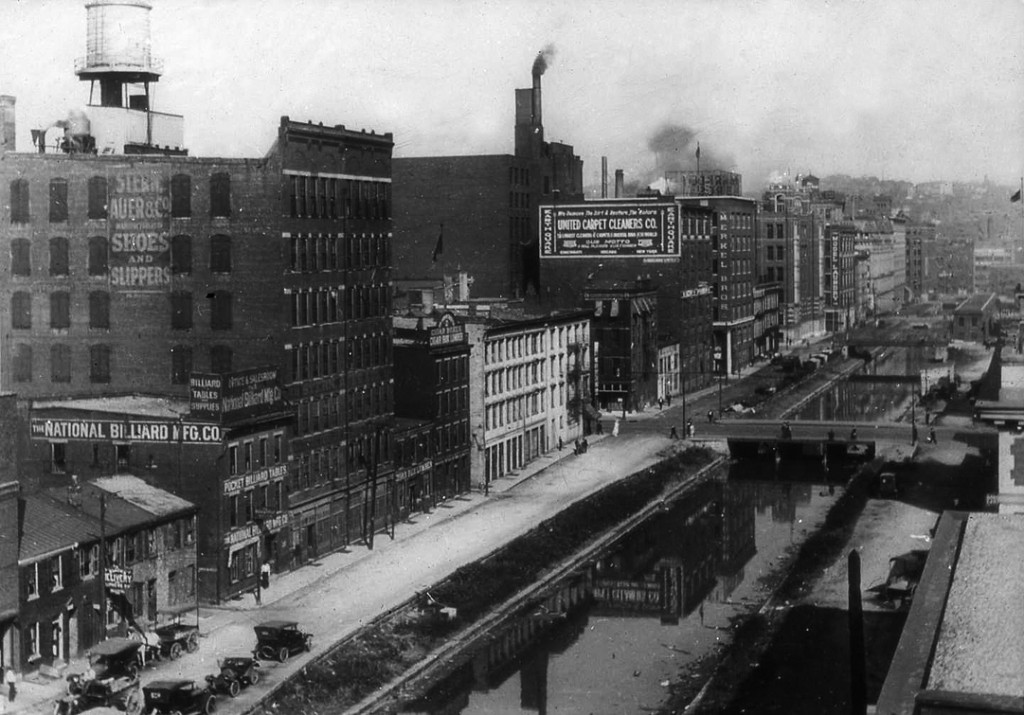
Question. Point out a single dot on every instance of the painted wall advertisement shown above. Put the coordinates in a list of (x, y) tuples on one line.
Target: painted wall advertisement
[(138, 218), (237, 394), (87, 429), (617, 228)]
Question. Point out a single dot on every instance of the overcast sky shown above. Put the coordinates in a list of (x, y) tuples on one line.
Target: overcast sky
[(900, 89)]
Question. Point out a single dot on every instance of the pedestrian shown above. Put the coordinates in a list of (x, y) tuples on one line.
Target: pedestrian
[(615, 428), (711, 416), (576, 445), (853, 433), (258, 596), (12, 684), (931, 435), (668, 400), (673, 433), (702, 613), (600, 427), (560, 444), (690, 431), (661, 402), (585, 445)]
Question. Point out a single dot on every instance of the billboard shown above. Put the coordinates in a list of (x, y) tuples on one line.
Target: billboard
[(138, 219), (87, 429), (237, 394), (606, 228)]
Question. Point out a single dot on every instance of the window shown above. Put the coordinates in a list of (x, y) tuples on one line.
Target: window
[(21, 310), (60, 310), (233, 459), (233, 511), (23, 363), (181, 310), (88, 560), (220, 254), (220, 195), (32, 581), (97, 197), (32, 640), (181, 364), (19, 201), (60, 363), (21, 261), (220, 359), (181, 196), (99, 309), (58, 256), (98, 261), (277, 448), (99, 363), (58, 457), (56, 573), (190, 530), (220, 310), (58, 200), (181, 255)]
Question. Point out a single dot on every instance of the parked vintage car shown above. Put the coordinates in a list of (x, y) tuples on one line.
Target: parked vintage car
[(176, 638), (186, 697), (277, 640), (121, 693), (234, 673), (112, 658)]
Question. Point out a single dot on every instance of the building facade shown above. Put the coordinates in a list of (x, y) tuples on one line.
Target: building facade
[(531, 391), (838, 277)]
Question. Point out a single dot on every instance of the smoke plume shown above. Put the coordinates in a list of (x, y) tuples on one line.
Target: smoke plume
[(675, 149), (544, 57)]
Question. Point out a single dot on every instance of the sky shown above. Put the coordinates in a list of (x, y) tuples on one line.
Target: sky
[(917, 90)]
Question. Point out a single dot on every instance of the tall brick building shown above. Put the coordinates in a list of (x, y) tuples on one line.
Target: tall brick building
[(478, 214), (131, 268)]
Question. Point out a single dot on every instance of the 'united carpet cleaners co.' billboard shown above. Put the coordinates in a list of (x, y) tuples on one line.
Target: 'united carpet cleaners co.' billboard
[(608, 229), (138, 219)]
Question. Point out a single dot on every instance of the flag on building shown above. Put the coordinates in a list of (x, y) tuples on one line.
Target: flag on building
[(439, 246), (1015, 197)]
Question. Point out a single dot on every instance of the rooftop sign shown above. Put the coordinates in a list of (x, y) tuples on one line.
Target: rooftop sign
[(618, 228)]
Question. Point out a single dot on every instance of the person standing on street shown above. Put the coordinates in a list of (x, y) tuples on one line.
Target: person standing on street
[(661, 402), (673, 433), (931, 435), (711, 416), (12, 683), (690, 431)]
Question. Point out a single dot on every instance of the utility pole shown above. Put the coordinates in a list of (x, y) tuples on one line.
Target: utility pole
[(103, 564)]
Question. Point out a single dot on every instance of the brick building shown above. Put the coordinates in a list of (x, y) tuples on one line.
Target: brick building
[(838, 276), (133, 271), (478, 214), (789, 256), (432, 383)]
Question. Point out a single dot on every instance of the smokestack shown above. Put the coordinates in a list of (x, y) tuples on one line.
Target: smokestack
[(620, 182), (7, 135), (536, 119), (604, 177)]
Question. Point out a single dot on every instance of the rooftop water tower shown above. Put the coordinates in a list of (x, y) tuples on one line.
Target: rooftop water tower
[(118, 52)]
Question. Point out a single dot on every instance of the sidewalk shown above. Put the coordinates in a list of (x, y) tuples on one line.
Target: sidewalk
[(226, 629)]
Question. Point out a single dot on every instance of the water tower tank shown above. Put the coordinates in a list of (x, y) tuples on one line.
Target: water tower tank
[(117, 47)]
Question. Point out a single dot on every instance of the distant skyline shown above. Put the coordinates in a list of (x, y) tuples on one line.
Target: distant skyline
[(915, 90)]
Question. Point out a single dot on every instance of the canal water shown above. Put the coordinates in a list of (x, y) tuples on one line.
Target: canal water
[(612, 638)]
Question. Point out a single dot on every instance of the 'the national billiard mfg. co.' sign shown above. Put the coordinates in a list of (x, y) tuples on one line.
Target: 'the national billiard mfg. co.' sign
[(624, 229)]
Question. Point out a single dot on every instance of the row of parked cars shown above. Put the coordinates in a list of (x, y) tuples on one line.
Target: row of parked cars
[(112, 680)]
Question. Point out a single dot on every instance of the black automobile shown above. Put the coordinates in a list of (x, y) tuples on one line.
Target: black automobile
[(234, 673), (121, 693), (179, 696), (112, 658), (277, 640)]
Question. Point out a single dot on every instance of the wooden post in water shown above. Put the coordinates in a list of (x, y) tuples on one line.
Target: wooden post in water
[(858, 685)]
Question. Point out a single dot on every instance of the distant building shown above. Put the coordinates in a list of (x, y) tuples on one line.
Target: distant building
[(920, 244), (715, 182), (789, 256), (975, 319), (625, 337), (838, 275)]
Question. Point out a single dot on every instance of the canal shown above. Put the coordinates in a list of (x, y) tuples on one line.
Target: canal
[(647, 611)]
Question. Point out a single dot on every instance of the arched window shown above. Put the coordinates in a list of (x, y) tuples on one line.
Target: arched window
[(181, 196), (99, 309), (58, 200), (21, 257), (21, 310), (181, 255), (97, 197), (220, 195), (60, 363), (220, 254), (58, 256), (98, 261), (19, 201)]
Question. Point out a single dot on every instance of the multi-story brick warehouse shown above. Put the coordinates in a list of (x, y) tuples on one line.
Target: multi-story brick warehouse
[(127, 274)]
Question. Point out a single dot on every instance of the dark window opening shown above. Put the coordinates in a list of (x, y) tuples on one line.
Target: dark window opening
[(220, 310), (19, 201), (99, 309), (98, 261), (220, 359), (58, 200), (181, 364), (21, 262), (181, 310), (181, 255), (220, 254), (60, 310), (60, 363), (181, 196), (97, 197), (21, 310), (220, 195), (59, 256), (99, 363)]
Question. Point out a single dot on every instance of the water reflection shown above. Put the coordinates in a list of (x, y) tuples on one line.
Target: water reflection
[(613, 637)]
